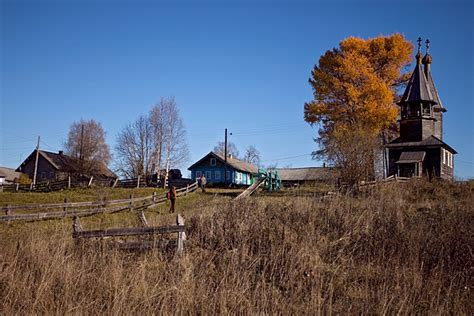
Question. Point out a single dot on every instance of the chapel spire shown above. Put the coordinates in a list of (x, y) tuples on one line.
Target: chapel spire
[(417, 89)]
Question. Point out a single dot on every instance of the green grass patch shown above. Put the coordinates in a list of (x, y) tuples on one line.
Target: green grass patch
[(75, 195)]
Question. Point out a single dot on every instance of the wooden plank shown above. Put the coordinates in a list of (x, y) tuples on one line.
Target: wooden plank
[(142, 218), (132, 231)]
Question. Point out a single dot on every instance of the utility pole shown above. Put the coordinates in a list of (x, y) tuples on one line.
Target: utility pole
[(80, 151), (36, 161), (225, 159)]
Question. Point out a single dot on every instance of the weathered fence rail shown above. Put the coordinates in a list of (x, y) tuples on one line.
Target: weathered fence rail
[(79, 209), (393, 178), (180, 229), (84, 182)]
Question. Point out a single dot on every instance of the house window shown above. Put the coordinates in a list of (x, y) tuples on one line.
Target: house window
[(218, 175), (228, 175), (443, 154), (213, 162), (198, 174), (208, 174)]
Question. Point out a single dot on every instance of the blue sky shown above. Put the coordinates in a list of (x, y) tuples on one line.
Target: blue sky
[(237, 65)]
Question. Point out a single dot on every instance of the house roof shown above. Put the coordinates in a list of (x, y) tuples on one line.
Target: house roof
[(430, 141), (305, 174), (234, 163), (9, 174), (411, 156), (58, 161), (62, 162)]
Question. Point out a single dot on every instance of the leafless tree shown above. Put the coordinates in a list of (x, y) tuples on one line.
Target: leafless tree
[(134, 149), (154, 142), (175, 149), (252, 155), (231, 149), (87, 147)]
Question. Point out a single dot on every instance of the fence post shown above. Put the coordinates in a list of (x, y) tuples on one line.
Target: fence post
[(181, 236), (90, 182), (131, 203), (142, 218), (64, 206), (153, 198), (69, 181), (138, 182), (187, 189), (76, 227), (8, 212), (31, 186), (115, 183), (17, 187)]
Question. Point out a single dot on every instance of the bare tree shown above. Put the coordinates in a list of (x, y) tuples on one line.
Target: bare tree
[(86, 145), (252, 155), (231, 149), (175, 148), (156, 118), (153, 142), (134, 149)]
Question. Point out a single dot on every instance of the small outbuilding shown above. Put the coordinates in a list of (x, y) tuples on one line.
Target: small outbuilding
[(308, 175)]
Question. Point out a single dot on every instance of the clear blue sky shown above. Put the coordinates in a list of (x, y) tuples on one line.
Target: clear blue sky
[(240, 65)]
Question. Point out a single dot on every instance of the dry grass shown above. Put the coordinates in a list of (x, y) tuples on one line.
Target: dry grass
[(400, 249)]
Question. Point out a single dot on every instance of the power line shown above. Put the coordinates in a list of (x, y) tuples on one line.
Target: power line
[(285, 158)]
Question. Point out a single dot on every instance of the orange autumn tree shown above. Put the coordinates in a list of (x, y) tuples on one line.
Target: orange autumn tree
[(354, 89)]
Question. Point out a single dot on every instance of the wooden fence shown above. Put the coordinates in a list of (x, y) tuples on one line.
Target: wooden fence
[(84, 182), (142, 232), (79, 209), (393, 178)]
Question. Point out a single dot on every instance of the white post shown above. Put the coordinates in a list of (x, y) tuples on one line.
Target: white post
[(181, 236), (138, 182), (142, 218), (36, 162)]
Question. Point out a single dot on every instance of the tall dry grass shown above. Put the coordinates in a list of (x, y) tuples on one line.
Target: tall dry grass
[(399, 249)]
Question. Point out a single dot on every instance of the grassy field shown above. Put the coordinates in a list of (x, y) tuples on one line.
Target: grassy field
[(75, 195), (400, 248)]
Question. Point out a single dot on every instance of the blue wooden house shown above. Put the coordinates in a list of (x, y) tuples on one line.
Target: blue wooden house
[(239, 172)]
